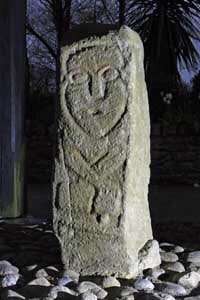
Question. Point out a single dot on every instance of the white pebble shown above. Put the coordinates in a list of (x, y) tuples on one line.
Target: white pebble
[(189, 279), (71, 274), (155, 272), (194, 257), (11, 294), (110, 282), (40, 281), (143, 284), (6, 268), (165, 244), (176, 266), (149, 255), (178, 249), (41, 273), (168, 257), (64, 280), (161, 296), (87, 286), (57, 289), (88, 296), (9, 280), (171, 288)]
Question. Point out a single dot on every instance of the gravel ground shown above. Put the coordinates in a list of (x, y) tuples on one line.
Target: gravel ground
[(31, 267)]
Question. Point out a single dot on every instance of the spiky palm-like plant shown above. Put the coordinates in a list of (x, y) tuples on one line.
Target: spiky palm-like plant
[(168, 29)]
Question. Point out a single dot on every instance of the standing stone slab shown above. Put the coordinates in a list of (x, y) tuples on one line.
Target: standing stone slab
[(12, 99), (101, 176)]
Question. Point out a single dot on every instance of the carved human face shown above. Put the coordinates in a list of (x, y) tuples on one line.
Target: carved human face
[(96, 95)]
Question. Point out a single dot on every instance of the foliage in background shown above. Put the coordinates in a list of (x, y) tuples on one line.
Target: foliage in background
[(196, 87), (47, 22), (168, 29)]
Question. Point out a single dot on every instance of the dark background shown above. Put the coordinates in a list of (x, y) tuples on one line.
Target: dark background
[(170, 31)]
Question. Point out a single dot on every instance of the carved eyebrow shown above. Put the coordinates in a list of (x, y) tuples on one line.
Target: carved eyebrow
[(102, 70)]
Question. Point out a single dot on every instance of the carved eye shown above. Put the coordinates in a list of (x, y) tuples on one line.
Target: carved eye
[(109, 73), (78, 77)]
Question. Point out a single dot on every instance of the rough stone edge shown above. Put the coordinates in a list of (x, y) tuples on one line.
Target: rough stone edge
[(139, 94), (136, 44)]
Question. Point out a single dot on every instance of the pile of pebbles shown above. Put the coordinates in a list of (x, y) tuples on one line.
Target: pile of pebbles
[(31, 268)]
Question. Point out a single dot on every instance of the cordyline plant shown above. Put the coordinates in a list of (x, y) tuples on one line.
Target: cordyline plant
[(168, 29)]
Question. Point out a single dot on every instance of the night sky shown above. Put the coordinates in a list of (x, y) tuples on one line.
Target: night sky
[(186, 75)]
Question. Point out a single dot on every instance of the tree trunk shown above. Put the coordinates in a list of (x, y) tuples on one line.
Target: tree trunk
[(122, 8)]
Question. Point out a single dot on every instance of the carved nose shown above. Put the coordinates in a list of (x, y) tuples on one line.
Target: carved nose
[(96, 88)]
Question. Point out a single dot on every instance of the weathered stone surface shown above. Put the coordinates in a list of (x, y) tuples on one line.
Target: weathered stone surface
[(178, 249), (110, 282), (154, 296), (194, 257), (168, 247), (168, 257), (61, 289), (87, 286), (9, 280), (171, 288), (143, 284), (149, 255), (155, 272), (174, 266), (41, 273), (10, 294), (64, 281), (88, 296), (101, 176), (40, 281), (128, 297), (6, 268), (189, 279), (71, 274)]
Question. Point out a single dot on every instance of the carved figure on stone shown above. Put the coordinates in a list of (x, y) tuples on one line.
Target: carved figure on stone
[(96, 100), (92, 184)]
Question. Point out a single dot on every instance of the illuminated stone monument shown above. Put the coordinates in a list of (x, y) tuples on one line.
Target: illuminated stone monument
[(101, 175)]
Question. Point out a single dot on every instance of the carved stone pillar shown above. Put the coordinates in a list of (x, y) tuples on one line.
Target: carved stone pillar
[(101, 176)]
